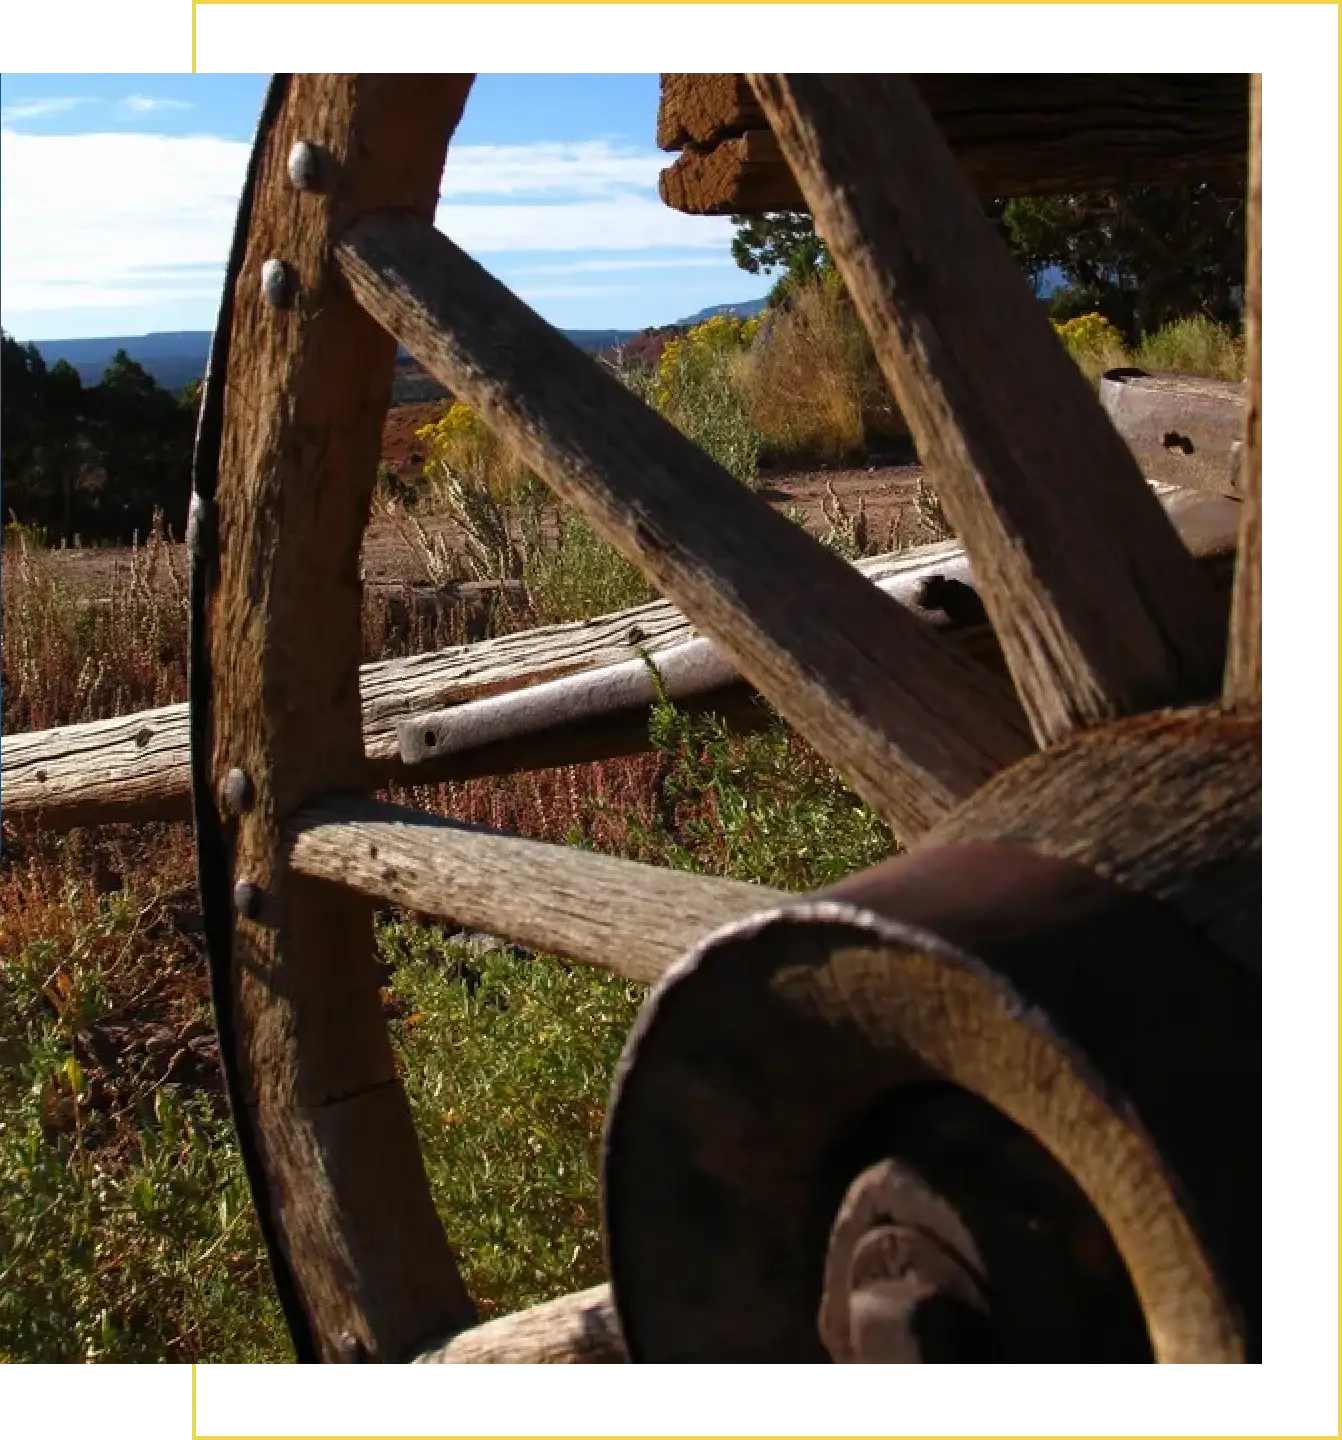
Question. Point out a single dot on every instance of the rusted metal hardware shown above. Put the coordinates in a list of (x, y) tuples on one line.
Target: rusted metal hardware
[(306, 166), (238, 792), (278, 284), (904, 1281)]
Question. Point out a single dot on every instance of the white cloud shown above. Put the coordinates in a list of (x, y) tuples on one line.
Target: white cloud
[(585, 168), (606, 265), (625, 222), (100, 220), (147, 104), (40, 109), (572, 292), (92, 220)]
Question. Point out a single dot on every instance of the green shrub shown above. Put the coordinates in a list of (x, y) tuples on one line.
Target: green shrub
[(1193, 346)]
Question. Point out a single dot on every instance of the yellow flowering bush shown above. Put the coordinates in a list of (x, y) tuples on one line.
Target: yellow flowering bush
[(1093, 343), (459, 443), (1088, 332), (701, 348)]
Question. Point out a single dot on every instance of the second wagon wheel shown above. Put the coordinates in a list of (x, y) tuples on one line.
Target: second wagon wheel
[(995, 1099)]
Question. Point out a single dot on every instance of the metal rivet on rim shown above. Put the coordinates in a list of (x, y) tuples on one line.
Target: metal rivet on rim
[(305, 166), (349, 1350), (277, 283), (247, 898), (239, 792)]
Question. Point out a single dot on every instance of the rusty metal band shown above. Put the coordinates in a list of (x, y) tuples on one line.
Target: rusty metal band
[(214, 868)]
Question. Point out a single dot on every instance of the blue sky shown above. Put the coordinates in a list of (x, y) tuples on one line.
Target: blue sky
[(117, 195)]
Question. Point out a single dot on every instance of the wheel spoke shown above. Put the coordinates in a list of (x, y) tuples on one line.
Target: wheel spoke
[(1244, 670), (1098, 607), (633, 919), (912, 724)]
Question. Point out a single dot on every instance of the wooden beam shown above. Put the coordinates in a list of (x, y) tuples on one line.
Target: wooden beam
[(700, 110), (909, 721), (1011, 134), (576, 1329), (1244, 668), (1100, 610), (136, 768), (636, 920)]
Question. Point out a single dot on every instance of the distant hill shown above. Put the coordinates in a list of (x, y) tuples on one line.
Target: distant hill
[(743, 311), (177, 357)]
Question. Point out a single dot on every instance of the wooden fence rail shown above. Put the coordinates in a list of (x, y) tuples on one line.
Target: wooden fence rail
[(136, 767)]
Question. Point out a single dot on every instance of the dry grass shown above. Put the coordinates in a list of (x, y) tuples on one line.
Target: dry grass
[(69, 656), (811, 383)]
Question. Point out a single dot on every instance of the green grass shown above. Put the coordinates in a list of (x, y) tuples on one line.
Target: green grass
[(126, 1232), (508, 1061)]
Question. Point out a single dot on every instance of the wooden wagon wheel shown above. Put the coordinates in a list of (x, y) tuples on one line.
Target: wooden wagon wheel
[(997, 1098)]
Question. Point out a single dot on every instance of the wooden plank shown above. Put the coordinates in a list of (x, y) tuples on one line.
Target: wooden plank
[(636, 920), (741, 175), (1244, 667), (137, 767), (576, 1329), (341, 1183), (910, 722), (1187, 430), (1011, 134), (700, 110), (1099, 609)]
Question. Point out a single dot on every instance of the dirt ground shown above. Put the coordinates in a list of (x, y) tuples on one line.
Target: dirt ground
[(886, 491)]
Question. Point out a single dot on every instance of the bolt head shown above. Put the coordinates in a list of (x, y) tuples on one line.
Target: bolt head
[(305, 166), (247, 899), (239, 792), (278, 284)]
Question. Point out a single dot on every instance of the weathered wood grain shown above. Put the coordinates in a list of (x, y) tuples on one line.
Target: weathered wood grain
[(1099, 609), (1046, 950), (634, 919), (1244, 666), (1167, 805), (910, 722), (307, 387), (136, 767), (1010, 134), (701, 109), (576, 1329)]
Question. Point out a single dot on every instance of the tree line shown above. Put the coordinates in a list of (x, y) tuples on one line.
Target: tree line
[(1141, 255), (93, 461)]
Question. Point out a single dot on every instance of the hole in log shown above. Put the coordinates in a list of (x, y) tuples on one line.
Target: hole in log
[(430, 739), (1174, 441)]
